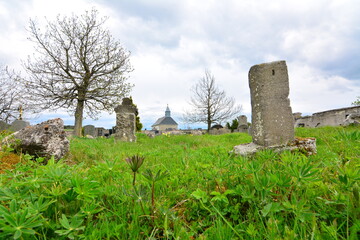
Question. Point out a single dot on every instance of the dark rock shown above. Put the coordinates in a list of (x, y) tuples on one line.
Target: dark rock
[(45, 139)]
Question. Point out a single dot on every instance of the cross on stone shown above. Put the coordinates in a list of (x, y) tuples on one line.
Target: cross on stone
[(20, 109)]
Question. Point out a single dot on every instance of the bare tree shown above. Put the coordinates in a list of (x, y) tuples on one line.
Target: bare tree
[(209, 103), (78, 66), (9, 95)]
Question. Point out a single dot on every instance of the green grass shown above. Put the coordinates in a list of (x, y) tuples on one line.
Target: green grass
[(189, 187)]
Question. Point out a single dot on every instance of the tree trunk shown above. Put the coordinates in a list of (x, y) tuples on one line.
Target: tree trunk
[(208, 125), (79, 118)]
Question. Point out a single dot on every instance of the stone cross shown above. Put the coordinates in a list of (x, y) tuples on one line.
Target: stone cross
[(20, 112), (126, 121), (272, 119)]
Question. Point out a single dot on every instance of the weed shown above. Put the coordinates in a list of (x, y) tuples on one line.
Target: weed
[(135, 163), (205, 193)]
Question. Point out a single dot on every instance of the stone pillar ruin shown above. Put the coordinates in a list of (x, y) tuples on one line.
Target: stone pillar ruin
[(125, 121), (272, 119), (243, 125)]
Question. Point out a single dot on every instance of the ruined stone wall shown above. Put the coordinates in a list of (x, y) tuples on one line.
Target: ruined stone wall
[(335, 117)]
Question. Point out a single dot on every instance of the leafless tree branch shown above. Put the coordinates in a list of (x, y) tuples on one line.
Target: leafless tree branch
[(78, 66), (210, 104)]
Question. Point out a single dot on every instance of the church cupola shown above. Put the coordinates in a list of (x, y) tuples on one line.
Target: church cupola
[(167, 112)]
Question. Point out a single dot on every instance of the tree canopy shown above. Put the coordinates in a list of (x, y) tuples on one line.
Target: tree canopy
[(78, 66)]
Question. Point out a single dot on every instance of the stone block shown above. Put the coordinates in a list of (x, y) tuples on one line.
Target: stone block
[(45, 139), (89, 130), (272, 119), (243, 124), (126, 121)]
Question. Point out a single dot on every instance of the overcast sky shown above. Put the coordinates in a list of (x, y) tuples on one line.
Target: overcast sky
[(173, 42)]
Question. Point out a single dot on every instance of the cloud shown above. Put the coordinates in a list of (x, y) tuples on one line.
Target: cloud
[(172, 42)]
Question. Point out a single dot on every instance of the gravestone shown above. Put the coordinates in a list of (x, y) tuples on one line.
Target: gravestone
[(99, 132), (89, 130), (272, 119), (3, 126), (126, 121), (243, 125), (18, 125)]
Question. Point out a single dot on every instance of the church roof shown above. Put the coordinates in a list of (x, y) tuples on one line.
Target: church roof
[(165, 121)]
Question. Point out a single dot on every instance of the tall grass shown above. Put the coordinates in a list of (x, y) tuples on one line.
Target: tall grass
[(188, 187)]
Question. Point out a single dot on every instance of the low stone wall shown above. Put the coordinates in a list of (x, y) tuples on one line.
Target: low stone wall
[(335, 117)]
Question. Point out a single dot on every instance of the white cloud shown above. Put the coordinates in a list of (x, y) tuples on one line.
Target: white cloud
[(172, 42), (312, 90)]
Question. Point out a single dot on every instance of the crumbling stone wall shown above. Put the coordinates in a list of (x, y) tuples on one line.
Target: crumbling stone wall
[(335, 117)]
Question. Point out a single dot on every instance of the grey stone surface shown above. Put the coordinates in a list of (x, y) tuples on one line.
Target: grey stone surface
[(272, 119), (353, 118), (125, 121), (3, 126), (45, 139), (304, 145), (18, 125), (242, 119), (89, 130), (246, 149), (99, 132), (334, 117), (243, 124)]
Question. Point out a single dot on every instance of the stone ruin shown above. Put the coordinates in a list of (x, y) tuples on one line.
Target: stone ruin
[(272, 118), (126, 121), (45, 139), (243, 126), (335, 117)]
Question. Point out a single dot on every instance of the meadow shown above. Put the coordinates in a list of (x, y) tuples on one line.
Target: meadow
[(185, 187)]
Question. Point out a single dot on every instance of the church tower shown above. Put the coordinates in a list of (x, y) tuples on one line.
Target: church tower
[(167, 111), (165, 123)]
